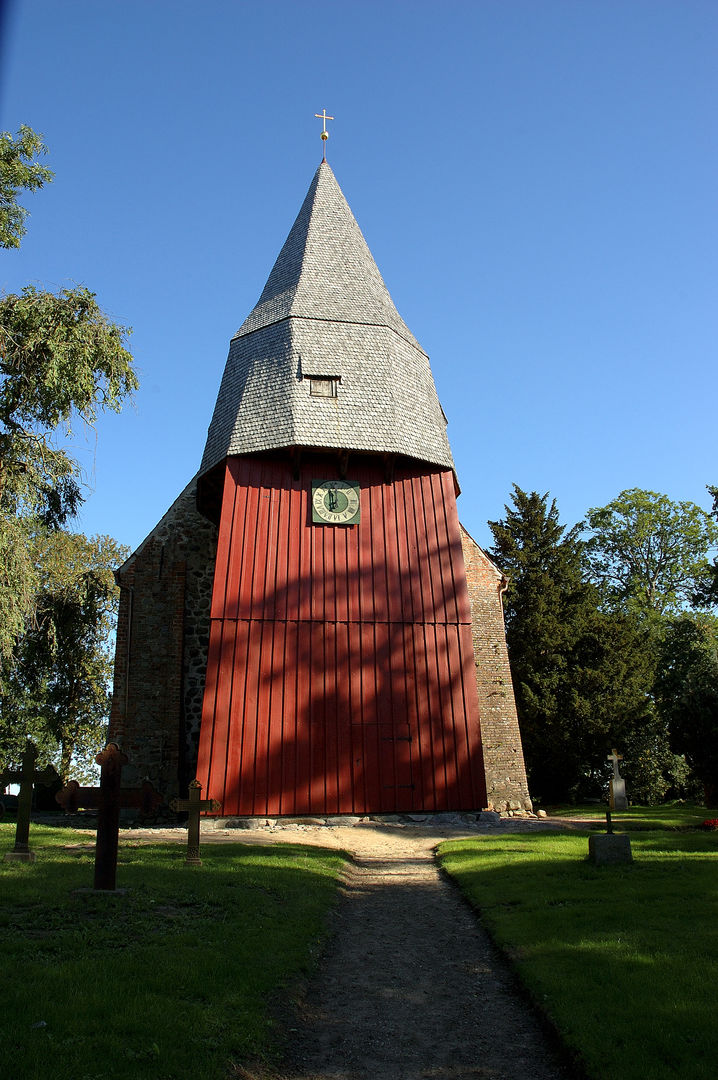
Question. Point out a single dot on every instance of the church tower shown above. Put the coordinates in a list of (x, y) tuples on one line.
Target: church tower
[(350, 667)]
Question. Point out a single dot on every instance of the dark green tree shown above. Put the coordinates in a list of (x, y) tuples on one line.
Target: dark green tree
[(579, 672), (686, 688), (18, 172)]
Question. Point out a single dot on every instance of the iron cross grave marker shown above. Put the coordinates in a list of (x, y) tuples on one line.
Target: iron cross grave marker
[(26, 777), (108, 800), (193, 806)]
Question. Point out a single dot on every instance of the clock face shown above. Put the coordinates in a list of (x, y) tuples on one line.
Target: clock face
[(335, 502)]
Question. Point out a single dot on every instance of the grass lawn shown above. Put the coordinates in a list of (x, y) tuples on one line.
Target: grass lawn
[(174, 980), (675, 815), (623, 959)]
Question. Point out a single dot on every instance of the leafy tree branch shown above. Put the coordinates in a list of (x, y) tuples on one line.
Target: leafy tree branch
[(19, 172)]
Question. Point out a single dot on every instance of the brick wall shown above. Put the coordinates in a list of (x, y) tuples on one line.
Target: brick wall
[(506, 784), (161, 652)]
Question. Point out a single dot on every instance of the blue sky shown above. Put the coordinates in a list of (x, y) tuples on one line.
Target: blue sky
[(535, 178)]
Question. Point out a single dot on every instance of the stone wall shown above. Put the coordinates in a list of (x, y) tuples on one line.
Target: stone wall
[(506, 785), (161, 653)]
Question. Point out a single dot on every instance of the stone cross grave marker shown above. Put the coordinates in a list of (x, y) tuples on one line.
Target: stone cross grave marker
[(193, 805), (617, 798), (26, 777), (108, 799)]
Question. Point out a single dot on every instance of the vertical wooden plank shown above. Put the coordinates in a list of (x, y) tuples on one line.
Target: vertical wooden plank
[(249, 728), (279, 607), (341, 583), (383, 696), (265, 645), (412, 715), (261, 555), (370, 719), (353, 562), (317, 732), (328, 583), (249, 542), (232, 706), (288, 731), (416, 565), (451, 718), (294, 532), (304, 718), (359, 794), (381, 584), (391, 548), (445, 594), (316, 573), (424, 718), (238, 471), (431, 578), (366, 568), (435, 714), (331, 719), (272, 494), (306, 540), (344, 721), (461, 592), (404, 554), (280, 673), (400, 727)]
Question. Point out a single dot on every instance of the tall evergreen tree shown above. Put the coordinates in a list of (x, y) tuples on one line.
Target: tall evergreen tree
[(579, 673)]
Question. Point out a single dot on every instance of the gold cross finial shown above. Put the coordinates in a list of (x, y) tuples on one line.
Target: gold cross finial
[(325, 134)]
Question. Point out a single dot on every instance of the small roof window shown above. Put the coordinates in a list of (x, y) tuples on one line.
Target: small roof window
[(323, 386)]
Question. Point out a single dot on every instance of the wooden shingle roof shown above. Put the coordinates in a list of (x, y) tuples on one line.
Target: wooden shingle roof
[(325, 312)]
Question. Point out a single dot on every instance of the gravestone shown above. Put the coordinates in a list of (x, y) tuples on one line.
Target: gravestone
[(609, 848), (193, 805), (108, 800), (26, 777), (617, 792)]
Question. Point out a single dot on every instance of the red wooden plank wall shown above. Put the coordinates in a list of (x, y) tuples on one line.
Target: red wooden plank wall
[(340, 676)]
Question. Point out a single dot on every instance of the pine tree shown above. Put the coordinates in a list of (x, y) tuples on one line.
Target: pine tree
[(579, 673)]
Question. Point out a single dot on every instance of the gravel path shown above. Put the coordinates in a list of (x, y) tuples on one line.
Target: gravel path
[(410, 986)]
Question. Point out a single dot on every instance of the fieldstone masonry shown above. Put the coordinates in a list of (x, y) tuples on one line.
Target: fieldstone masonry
[(161, 654), (506, 785)]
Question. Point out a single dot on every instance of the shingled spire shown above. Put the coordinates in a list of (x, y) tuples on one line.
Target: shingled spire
[(326, 314)]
